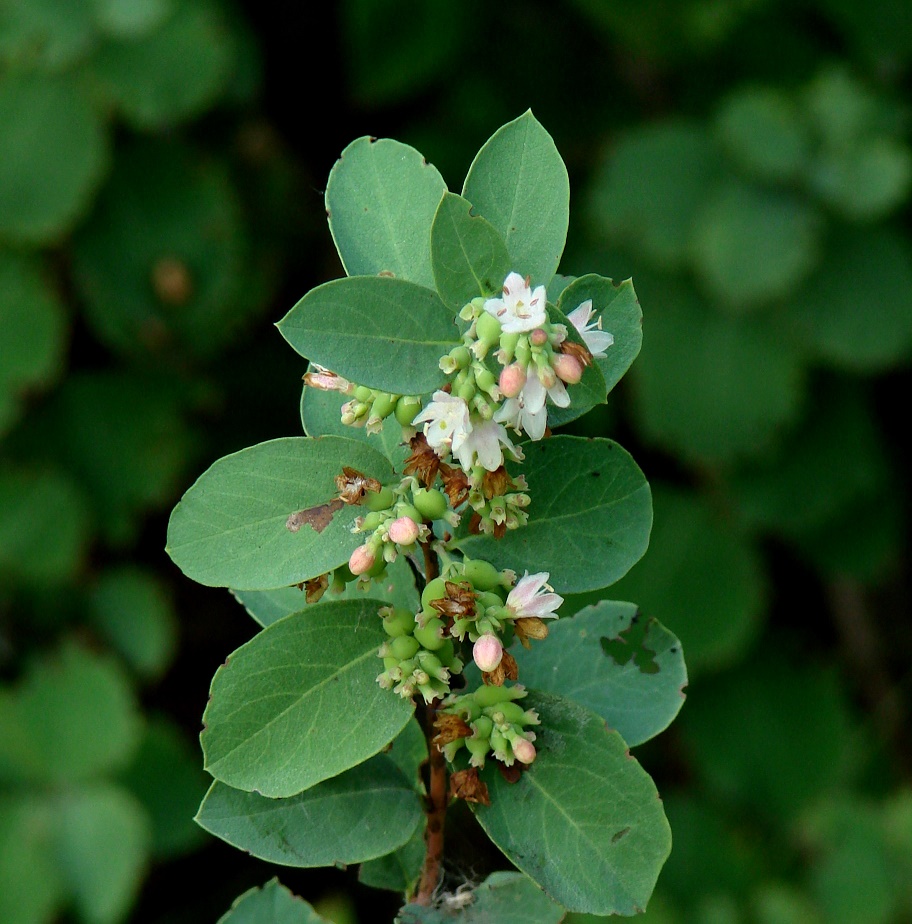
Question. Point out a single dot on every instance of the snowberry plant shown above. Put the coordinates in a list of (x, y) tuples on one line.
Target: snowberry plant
[(408, 558)]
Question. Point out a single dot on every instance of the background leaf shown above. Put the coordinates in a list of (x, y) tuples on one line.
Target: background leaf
[(272, 904)]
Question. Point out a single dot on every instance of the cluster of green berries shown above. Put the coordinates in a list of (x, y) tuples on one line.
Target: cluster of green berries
[(369, 407), (497, 725)]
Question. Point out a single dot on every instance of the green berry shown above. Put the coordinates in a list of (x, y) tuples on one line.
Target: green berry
[(491, 696), (489, 598), (363, 394), (431, 503), (488, 329), (430, 635), (512, 713), (374, 519), (466, 391), (435, 590), (447, 653), (485, 379), (523, 352), (478, 747), (384, 405), (483, 726), (379, 500), (461, 356), (407, 409), (399, 622), (389, 663), (482, 575), (410, 511), (404, 647)]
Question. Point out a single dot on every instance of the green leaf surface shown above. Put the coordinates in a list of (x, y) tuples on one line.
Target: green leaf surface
[(648, 190), (587, 525), (167, 75), (102, 841), (378, 331), (229, 529), (53, 154), (272, 904), (160, 265), (72, 718), (400, 870), (752, 245), (468, 256), (711, 388), (381, 198), (166, 776), (34, 333), (131, 608), (627, 669), (616, 312), (45, 35), (361, 814), (856, 312), (44, 527), (128, 18), (321, 415), (703, 578), (299, 703), (584, 821), (519, 183)]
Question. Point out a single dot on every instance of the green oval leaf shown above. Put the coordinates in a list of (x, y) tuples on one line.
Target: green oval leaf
[(381, 197), (299, 703), (272, 904), (519, 183), (378, 331), (584, 821), (327, 825), (230, 528), (628, 669), (589, 519), (400, 870), (468, 255)]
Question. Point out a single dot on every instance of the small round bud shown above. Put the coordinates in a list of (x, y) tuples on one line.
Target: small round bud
[(403, 531), (538, 337), (363, 394), (487, 652), (568, 368), (483, 726), (372, 521), (512, 380), (523, 751), (384, 405), (362, 560), (430, 503), (399, 622), (404, 647), (461, 356), (484, 379), (466, 391)]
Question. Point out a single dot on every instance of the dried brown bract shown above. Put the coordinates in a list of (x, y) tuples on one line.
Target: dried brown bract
[(467, 785), (352, 486)]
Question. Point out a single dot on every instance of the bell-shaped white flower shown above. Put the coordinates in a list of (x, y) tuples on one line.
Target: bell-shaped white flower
[(446, 423), (528, 597), (596, 340), (520, 309), (485, 444)]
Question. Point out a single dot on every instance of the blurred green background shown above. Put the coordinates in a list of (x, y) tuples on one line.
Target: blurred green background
[(746, 161)]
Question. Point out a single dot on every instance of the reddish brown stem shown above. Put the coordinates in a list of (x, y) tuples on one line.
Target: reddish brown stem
[(437, 796)]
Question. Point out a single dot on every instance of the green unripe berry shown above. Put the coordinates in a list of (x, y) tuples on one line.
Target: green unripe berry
[(379, 500), (404, 647), (447, 653), (482, 575), (485, 379), (399, 622), (379, 567), (431, 503), (407, 409), (461, 356), (410, 511), (499, 742), (407, 668), (372, 521), (435, 590), (363, 394), (466, 391), (489, 598), (384, 405), (510, 712), (491, 696), (483, 727), (344, 574), (478, 747), (523, 352), (487, 329), (390, 663), (430, 635)]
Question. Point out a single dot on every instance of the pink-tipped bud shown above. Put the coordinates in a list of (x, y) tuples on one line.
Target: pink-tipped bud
[(487, 652), (362, 560), (512, 380), (403, 531), (568, 368), (524, 751), (538, 337)]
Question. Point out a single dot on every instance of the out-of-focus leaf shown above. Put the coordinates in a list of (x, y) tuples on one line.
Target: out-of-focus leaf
[(44, 527), (160, 264), (47, 34), (701, 576), (280, 717), (761, 128), (381, 198), (272, 904), (881, 31), (855, 313), (34, 333), (778, 903), (231, 528), (72, 718), (161, 77), (102, 836), (647, 192), (167, 778), (131, 608), (613, 661), (53, 154), (131, 18), (708, 387), (752, 245)]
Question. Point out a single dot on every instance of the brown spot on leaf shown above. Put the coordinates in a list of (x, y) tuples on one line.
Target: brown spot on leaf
[(318, 517)]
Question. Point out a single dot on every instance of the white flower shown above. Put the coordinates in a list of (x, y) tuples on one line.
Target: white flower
[(593, 336), (446, 423), (483, 442), (528, 599), (527, 410), (520, 309)]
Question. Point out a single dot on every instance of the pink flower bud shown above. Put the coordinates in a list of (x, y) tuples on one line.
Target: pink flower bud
[(512, 380), (538, 337), (568, 368), (403, 531), (523, 751), (362, 560), (487, 652)]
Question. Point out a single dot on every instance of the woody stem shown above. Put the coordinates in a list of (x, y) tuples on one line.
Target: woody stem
[(436, 804)]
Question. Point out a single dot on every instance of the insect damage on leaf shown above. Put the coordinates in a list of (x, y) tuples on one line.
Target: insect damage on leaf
[(318, 517), (630, 645)]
